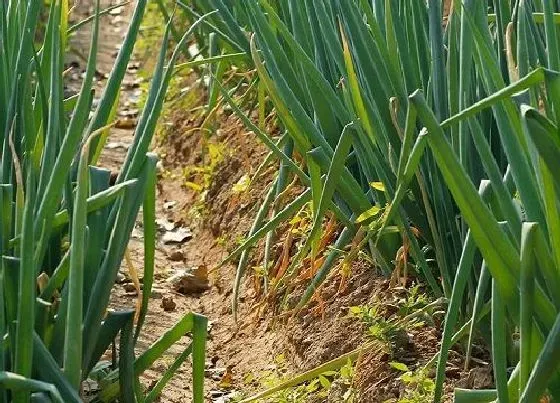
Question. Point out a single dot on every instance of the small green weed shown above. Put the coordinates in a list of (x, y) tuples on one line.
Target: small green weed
[(414, 300), (419, 387), (330, 384), (378, 327), (302, 221), (199, 177), (391, 329), (412, 310)]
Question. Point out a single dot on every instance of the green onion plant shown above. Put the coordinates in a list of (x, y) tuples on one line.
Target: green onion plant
[(63, 227), (443, 129)]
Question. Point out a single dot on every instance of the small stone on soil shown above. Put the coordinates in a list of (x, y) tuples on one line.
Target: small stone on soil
[(215, 394), (121, 278), (225, 398), (132, 84), (165, 225), (169, 205), (177, 256), (160, 168), (215, 373), (126, 124), (132, 113), (178, 235), (136, 233), (190, 281), (129, 287), (116, 11)]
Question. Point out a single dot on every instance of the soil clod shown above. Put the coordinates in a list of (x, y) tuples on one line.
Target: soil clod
[(168, 304), (190, 281)]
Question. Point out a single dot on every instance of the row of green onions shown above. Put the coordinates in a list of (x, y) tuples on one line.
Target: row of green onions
[(444, 131)]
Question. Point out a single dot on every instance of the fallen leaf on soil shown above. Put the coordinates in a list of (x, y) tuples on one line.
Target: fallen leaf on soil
[(178, 235), (165, 225), (227, 379)]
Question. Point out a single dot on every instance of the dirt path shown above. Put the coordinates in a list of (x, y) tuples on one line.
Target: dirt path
[(228, 344)]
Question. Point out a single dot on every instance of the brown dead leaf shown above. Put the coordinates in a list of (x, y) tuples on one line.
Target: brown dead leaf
[(126, 124), (227, 379)]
